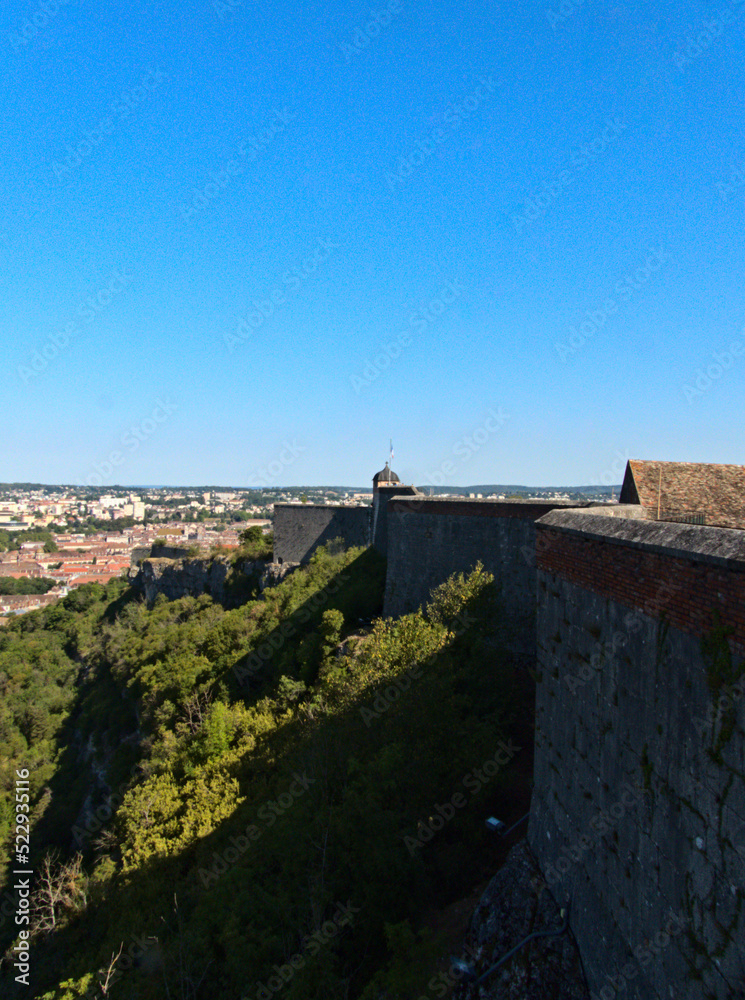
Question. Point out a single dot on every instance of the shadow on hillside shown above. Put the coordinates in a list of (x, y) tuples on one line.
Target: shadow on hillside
[(357, 591), (332, 798)]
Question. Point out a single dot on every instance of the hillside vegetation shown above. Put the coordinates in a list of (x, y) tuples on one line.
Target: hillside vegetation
[(259, 801), (25, 585)]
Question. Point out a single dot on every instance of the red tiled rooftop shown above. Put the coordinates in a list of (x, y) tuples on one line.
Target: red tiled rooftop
[(687, 490)]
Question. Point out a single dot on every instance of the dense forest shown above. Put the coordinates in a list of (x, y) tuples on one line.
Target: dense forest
[(273, 799)]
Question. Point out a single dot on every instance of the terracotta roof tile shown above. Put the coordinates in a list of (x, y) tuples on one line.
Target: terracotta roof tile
[(713, 494)]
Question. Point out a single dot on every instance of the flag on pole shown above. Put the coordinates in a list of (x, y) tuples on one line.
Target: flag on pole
[(391, 462)]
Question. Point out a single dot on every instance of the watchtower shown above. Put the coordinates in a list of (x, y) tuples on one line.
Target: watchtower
[(386, 484)]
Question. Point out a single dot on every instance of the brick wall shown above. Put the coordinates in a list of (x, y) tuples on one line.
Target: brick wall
[(657, 568)]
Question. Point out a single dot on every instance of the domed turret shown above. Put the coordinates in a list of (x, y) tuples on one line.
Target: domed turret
[(385, 476), (386, 485)]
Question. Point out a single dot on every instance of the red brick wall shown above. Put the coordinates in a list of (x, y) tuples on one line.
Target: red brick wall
[(687, 591)]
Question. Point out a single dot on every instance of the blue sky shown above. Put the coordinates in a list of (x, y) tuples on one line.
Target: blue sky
[(246, 244)]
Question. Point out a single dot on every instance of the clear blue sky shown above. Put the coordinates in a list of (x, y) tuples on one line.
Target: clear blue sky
[(430, 199)]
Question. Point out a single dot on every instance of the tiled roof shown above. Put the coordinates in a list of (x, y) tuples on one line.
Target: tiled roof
[(386, 476), (687, 491)]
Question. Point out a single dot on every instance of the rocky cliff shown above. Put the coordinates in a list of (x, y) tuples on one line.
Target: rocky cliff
[(226, 582)]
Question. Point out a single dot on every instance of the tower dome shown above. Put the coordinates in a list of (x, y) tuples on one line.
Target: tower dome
[(385, 476)]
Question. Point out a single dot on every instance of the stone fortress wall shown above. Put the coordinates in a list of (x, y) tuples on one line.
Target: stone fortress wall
[(429, 539), (638, 810), (637, 628), (300, 528)]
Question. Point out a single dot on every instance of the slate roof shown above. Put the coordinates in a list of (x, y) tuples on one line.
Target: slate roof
[(696, 492), (386, 476)]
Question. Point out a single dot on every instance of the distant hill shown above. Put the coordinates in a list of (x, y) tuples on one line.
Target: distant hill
[(434, 490), (7, 487), (526, 490)]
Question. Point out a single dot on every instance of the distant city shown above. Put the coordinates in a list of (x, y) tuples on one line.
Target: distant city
[(56, 538), (45, 503)]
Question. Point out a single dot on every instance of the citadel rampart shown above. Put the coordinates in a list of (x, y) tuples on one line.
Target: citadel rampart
[(638, 810), (300, 528), (638, 631), (430, 538)]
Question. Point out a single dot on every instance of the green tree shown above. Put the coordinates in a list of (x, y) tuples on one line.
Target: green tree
[(25, 585), (217, 731)]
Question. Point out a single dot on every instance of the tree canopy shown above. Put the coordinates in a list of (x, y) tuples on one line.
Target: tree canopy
[(216, 792)]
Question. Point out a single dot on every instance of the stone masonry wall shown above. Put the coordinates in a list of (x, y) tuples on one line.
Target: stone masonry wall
[(431, 538), (299, 529), (382, 495), (638, 810)]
